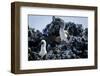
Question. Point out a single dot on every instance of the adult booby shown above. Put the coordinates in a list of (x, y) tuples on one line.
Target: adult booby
[(43, 51), (63, 33)]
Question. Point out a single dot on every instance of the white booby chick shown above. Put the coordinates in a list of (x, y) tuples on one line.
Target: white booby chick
[(43, 51), (63, 33)]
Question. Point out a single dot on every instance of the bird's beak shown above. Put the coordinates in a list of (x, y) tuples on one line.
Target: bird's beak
[(41, 43)]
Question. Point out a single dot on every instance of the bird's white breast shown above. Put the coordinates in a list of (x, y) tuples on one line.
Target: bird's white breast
[(43, 51), (63, 35)]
